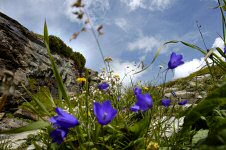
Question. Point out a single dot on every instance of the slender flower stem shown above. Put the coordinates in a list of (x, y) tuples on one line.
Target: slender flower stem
[(102, 128), (96, 39), (149, 121), (164, 83)]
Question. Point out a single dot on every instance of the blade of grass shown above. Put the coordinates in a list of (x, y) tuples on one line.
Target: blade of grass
[(32, 126), (55, 71)]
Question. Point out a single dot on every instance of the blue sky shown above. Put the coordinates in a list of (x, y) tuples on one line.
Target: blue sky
[(134, 29)]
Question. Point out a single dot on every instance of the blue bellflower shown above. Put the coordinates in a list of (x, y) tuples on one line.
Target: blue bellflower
[(175, 61), (104, 86), (166, 102), (104, 112), (183, 102), (64, 119), (144, 102), (137, 91), (59, 135), (62, 122)]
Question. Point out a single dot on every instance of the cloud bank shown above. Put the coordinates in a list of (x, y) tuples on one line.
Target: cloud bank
[(196, 64)]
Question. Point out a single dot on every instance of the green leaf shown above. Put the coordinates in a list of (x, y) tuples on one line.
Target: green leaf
[(32, 126), (55, 71), (200, 135), (40, 104), (153, 60), (213, 100)]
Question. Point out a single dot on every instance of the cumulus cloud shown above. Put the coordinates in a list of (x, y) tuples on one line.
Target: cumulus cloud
[(196, 64), (152, 5), (146, 43), (189, 67), (121, 23), (126, 68), (218, 43)]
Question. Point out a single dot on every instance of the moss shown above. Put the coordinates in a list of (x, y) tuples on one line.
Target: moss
[(32, 84), (58, 46), (217, 74)]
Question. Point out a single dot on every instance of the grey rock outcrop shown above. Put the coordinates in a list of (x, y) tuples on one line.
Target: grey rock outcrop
[(23, 53)]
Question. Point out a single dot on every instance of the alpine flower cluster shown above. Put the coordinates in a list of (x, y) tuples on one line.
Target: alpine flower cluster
[(62, 123), (104, 112), (144, 101)]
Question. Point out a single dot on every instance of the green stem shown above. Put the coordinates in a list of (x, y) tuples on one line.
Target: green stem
[(102, 128), (164, 83)]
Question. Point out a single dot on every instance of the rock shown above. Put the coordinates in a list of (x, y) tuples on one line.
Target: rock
[(2, 115), (25, 114), (10, 123), (199, 97), (192, 84), (184, 94), (25, 57), (181, 94), (199, 78), (17, 140)]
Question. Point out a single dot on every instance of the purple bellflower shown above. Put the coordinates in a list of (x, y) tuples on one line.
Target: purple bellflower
[(137, 91), (104, 112), (59, 135), (225, 50), (183, 102), (166, 102), (62, 122), (104, 86), (64, 119), (144, 102), (175, 60)]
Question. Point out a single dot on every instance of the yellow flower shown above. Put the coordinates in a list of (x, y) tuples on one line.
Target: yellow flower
[(116, 76), (80, 80), (153, 146), (145, 88)]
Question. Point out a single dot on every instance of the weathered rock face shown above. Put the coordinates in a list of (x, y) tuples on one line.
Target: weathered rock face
[(24, 55)]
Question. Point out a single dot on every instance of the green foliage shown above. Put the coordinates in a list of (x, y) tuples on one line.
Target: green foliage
[(5, 144), (32, 126), (40, 103), (61, 87), (56, 45)]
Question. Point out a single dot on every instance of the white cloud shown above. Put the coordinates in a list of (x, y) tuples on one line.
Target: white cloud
[(145, 43), (125, 67), (121, 23), (218, 43), (160, 4), (152, 5), (196, 64), (189, 67)]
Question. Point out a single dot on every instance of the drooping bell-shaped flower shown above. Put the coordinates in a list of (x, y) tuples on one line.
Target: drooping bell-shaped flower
[(166, 102), (175, 61), (104, 86), (104, 112), (144, 102), (183, 102), (59, 135), (64, 119), (137, 91)]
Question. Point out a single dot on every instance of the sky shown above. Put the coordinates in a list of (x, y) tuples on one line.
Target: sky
[(133, 31)]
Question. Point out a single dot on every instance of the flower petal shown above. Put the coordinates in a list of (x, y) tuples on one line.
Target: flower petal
[(59, 135)]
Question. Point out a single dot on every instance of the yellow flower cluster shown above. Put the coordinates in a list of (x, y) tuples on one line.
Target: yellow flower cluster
[(145, 88), (116, 76), (153, 146), (80, 80)]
